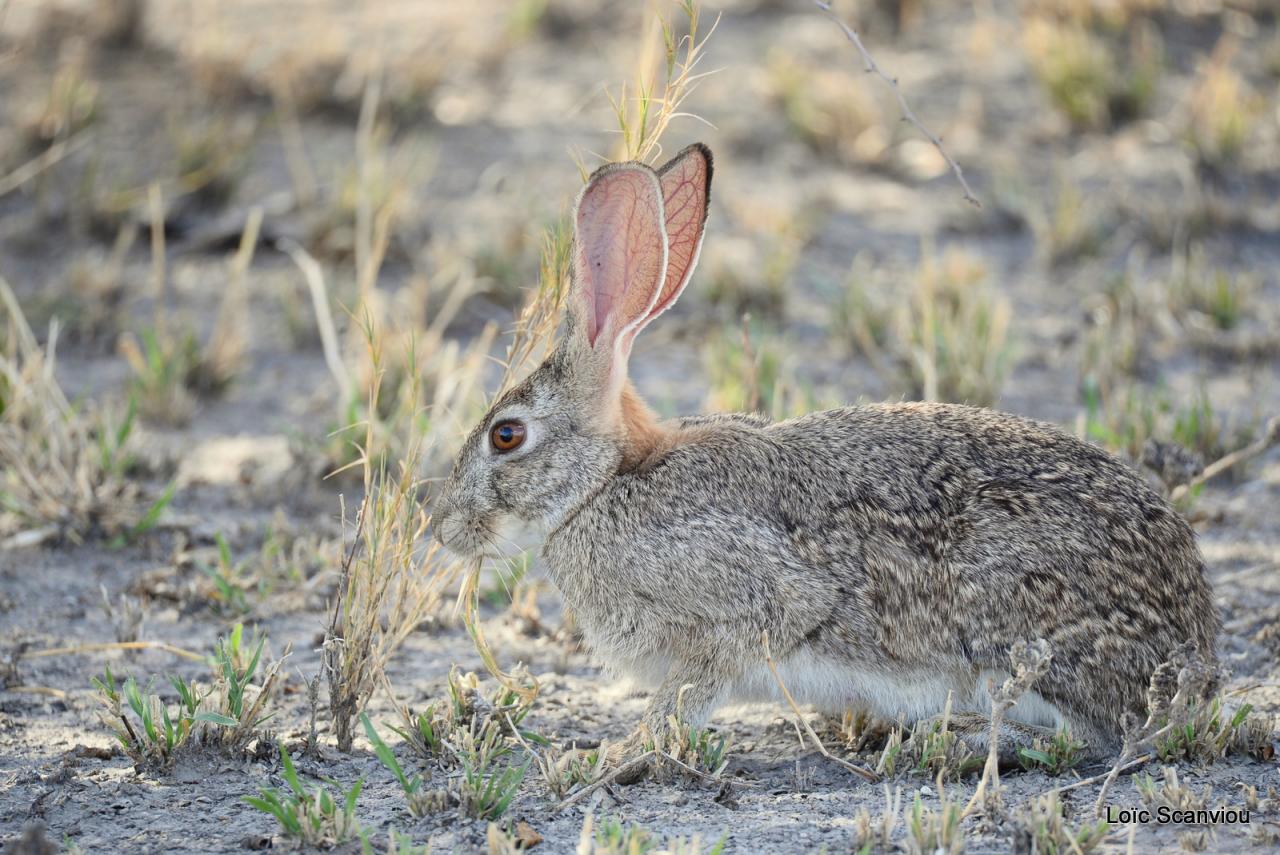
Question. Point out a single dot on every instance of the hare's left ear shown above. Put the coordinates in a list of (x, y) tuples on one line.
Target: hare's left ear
[(637, 234), (686, 195)]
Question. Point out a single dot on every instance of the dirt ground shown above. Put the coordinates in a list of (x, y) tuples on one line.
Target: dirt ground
[(484, 148)]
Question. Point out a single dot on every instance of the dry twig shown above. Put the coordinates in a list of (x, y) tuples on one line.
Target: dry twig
[(1270, 436), (795, 708), (908, 115), (625, 770)]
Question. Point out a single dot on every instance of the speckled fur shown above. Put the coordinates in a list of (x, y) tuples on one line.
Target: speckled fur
[(891, 552)]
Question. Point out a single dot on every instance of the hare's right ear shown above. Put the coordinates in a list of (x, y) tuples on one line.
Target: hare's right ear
[(620, 262)]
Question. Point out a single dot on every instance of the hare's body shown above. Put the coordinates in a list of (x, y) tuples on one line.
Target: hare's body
[(892, 554)]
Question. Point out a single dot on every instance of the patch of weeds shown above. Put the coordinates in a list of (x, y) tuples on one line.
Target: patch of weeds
[(1097, 76), (744, 283), (1054, 757), (126, 615), (1212, 298), (1072, 229), (468, 726), (421, 800), (562, 771), (486, 793), (159, 734), (931, 749), (865, 314), (398, 843), (64, 471), (955, 333), (164, 374), (1170, 792), (1039, 826), (875, 837), (702, 749), (226, 715), (754, 376), (482, 791), (373, 187), (1206, 731), (227, 577), (237, 696), (934, 831), (829, 111), (211, 156), (938, 752), (1136, 422), (1223, 111), (312, 818), (612, 837), (1118, 320), (887, 763)]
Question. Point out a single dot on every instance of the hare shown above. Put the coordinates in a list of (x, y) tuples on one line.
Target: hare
[(894, 553)]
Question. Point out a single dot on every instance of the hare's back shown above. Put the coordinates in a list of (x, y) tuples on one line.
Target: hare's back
[(984, 528)]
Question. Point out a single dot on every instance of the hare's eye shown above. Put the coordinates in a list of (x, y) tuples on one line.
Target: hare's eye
[(507, 436)]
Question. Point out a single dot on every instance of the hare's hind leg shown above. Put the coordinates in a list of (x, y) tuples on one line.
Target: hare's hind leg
[(974, 729)]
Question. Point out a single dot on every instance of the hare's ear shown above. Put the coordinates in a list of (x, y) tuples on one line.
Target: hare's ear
[(620, 259), (686, 194)]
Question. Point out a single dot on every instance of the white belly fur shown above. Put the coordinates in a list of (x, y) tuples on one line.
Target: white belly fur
[(834, 687)]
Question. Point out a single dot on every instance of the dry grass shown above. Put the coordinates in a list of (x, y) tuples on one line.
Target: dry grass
[(1040, 826), (65, 469), (1222, 112), (829, 111), (391, 580), (749, 372), (957, 332), (1095, 71)]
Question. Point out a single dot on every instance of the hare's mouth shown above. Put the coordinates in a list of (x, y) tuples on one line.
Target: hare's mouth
[(469, 538)]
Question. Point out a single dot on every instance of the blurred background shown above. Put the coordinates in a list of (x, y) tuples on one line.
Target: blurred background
[(244, 242), (1119, 276)]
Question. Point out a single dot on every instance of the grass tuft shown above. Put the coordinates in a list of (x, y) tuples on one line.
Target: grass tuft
[(957, 332), (934, 831), (1060, 754), (1096, 75), (1039, 826), (1222, 114), (64, 471), (312, 817), (226, 715)]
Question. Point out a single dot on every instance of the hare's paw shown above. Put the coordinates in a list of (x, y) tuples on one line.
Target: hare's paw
[(632, 758)]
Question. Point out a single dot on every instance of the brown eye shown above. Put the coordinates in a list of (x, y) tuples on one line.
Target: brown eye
[(507, 436)]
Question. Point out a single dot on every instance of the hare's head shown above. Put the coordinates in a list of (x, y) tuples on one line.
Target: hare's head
[(553, 440)]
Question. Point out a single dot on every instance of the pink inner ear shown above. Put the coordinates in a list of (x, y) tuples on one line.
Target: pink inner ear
[(621, 249), (685, 184)]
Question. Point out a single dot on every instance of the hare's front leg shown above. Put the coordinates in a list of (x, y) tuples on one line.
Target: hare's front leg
[(687, 697)]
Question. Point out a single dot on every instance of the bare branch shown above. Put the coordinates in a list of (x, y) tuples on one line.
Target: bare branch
[(908, 115), (1270, 436)]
